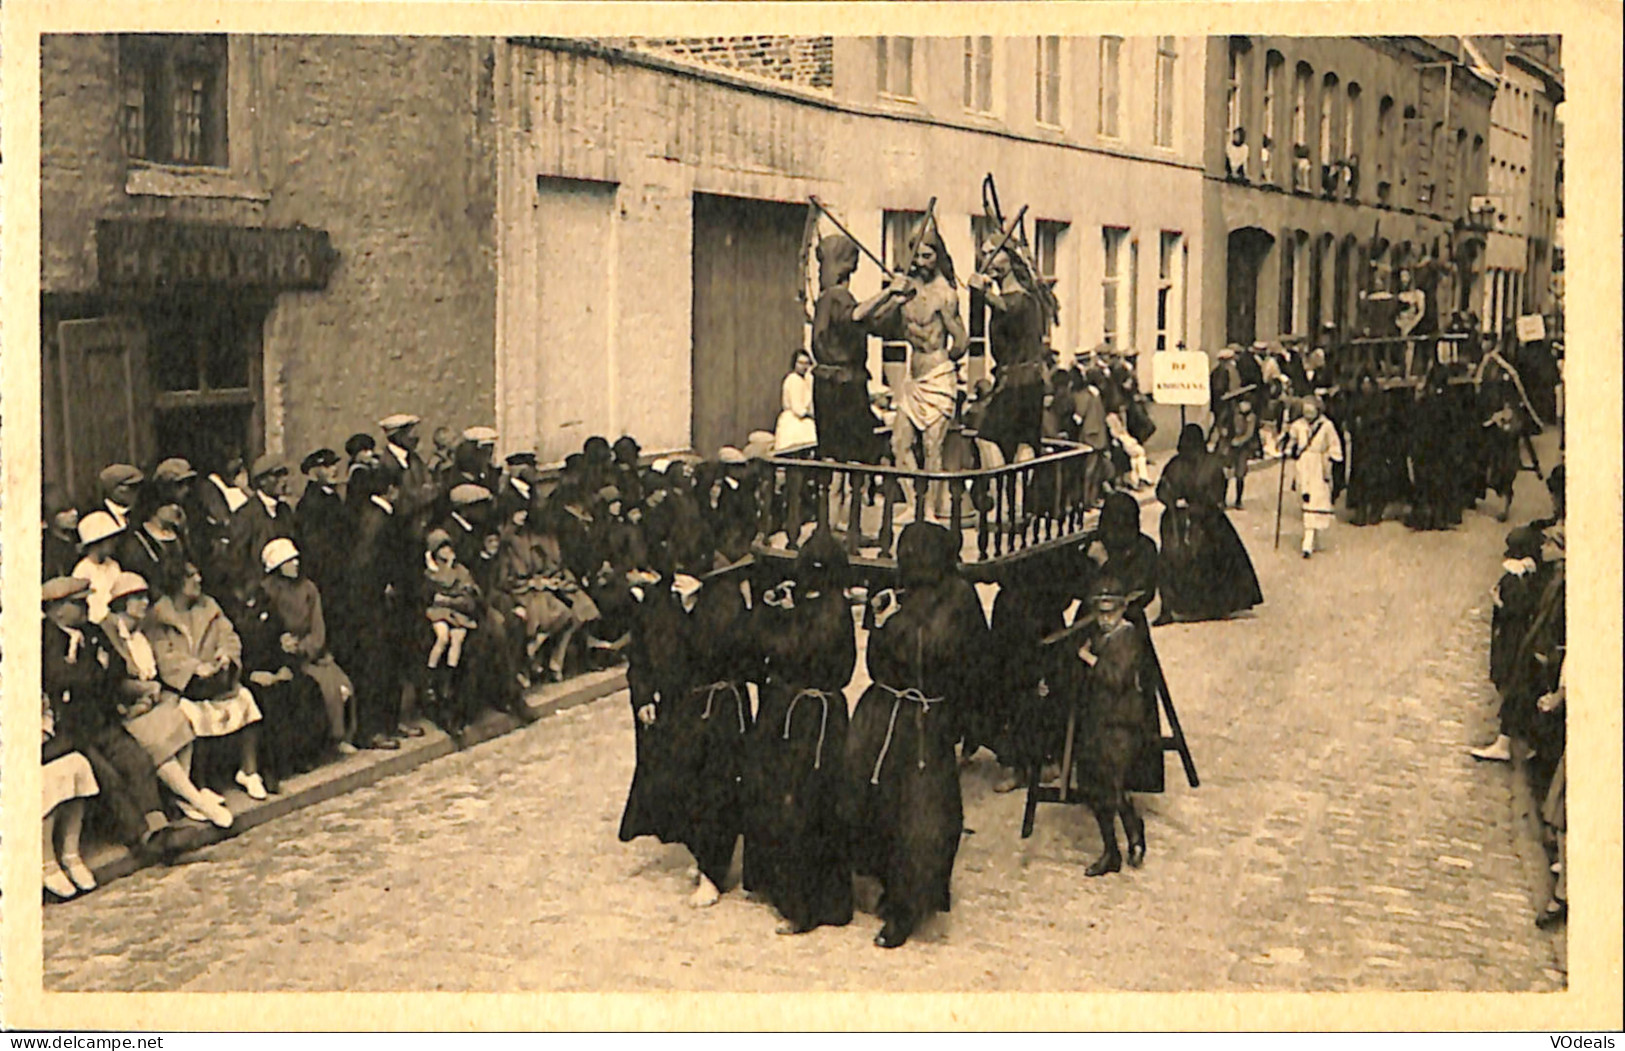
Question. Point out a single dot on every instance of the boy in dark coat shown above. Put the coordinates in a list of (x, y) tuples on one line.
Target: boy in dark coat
[(1114, 726)]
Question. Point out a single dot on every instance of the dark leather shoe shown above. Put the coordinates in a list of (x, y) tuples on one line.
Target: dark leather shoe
[(411, 731), (386, 744), (1136, 853), (1106, 863), (891, 936)]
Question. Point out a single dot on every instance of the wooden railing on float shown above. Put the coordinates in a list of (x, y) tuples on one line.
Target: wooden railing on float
[(1014, 509)]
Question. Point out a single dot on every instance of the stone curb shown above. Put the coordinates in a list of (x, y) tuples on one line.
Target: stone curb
[(114, 861)]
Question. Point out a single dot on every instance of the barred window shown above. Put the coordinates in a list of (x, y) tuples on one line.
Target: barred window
[(172, 98), (1111, 49), (1048, 87), (894, 66), (1166, 56), (979, 74)]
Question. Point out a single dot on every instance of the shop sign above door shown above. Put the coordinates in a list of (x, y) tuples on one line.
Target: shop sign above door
[(162, 255)]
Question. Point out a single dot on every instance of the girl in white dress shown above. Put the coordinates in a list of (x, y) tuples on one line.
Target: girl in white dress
[(1313, 442), (796, 426)]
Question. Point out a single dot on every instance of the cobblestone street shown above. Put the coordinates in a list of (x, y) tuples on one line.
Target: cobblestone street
[(1341, 839)]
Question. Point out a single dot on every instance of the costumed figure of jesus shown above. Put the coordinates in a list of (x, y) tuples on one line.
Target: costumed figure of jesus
[(924, 306)]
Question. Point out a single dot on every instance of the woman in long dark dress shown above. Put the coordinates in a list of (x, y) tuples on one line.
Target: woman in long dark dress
[(1376, 473), (689, 659), (1023, 722), (1430, 456), (796, 850), (926, 645), (1205, 571)]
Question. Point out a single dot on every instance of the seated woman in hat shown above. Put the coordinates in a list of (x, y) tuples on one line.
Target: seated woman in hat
[(154, 546), (152, 716), (298, 604), (547, 597), (200, 661), (80, 676), (99, 537), (297, 730), (59, 534)]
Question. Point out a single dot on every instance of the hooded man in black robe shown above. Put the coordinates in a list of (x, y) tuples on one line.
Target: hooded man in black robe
[(926, 650)]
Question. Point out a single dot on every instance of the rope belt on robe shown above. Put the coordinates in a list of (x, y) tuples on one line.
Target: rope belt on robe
[(711, 691), (898, 697), (824, 698)]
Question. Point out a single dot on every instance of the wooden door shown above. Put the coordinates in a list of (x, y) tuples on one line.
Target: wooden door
[(1244, 255), (748, 321), (106, 399)]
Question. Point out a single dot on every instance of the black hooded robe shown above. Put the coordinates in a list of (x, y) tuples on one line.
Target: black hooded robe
[(906, 811), (796, 844), (692, 667)]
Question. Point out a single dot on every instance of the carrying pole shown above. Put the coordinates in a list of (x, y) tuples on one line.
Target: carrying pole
[(1280, 495), (884, 269)]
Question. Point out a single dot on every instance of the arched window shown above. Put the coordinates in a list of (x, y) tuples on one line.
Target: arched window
[(1301, 164), (1385, 145), (1351, 123), (1300, 105), (1328, 97), (1235, 84), (1270, 144)]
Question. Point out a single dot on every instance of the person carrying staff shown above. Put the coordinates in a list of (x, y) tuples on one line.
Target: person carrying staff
[(1013, 425), (840, 345)]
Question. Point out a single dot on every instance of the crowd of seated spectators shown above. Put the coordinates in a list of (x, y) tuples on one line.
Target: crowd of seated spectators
[(204, 631)]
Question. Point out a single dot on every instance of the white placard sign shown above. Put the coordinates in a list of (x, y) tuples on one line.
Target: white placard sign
[(1531, 328), (1179, 377)]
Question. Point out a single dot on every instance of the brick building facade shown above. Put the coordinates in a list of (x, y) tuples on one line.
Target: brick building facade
[(268, 242)]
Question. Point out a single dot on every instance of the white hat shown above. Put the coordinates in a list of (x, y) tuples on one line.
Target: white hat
[(398, 421), (98, 525), (481, 435), (277, 552), (660, 465), (730, 455)]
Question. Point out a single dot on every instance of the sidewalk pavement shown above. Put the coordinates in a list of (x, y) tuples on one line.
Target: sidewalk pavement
[(110, 861)]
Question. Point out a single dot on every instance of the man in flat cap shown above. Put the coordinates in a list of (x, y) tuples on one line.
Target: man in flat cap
[(471, 465), (362, 449), (519, 479), (417, 484), (322, 523), (495, 653), (217, 502), (120, 483), (264, 518)]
